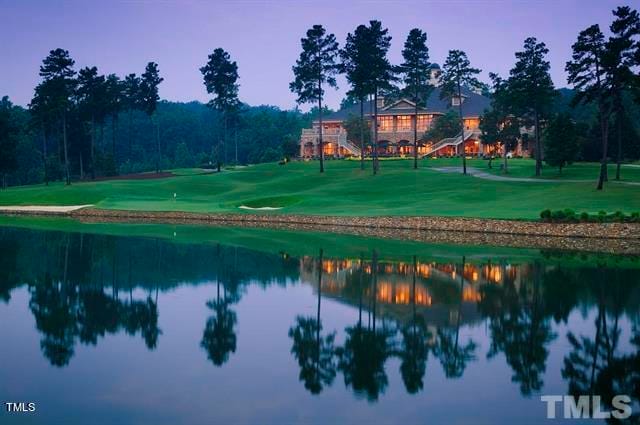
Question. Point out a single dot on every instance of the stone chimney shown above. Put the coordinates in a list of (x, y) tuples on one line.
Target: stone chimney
[(380, 101)]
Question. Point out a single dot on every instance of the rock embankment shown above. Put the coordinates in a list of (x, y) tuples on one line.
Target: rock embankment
[(447, 224)]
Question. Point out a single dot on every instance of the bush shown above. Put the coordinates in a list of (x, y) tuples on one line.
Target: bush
[(569, 216), (545, 215)]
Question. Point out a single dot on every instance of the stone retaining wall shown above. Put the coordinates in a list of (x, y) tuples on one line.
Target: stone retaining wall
[(509, 227)]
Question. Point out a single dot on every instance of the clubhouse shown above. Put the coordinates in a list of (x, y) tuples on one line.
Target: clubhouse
[(395, 129)]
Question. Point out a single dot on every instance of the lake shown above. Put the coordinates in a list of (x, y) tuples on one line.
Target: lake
[(105, 324)]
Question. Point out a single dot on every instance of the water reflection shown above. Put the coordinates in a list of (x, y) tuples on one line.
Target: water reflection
[(84, 287)]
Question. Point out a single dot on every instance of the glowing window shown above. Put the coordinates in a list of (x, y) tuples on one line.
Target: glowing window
[(385, 123), (404, 122)]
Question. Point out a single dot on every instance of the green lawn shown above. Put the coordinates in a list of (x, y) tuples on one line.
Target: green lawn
[(345, 190)]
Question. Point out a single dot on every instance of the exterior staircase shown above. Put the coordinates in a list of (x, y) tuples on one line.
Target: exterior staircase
[(342, 141), (451, 141)]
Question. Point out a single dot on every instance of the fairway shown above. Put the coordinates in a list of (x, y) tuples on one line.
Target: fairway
[(298, 188)]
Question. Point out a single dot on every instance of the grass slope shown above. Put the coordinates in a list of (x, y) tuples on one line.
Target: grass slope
[(345, 190)]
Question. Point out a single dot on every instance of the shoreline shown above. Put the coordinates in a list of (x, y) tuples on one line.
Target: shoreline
[(612, 238)]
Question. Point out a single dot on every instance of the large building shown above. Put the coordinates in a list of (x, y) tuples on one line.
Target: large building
[(395, 129)]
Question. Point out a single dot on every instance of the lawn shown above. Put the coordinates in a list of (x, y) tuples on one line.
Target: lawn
[(298, 188)]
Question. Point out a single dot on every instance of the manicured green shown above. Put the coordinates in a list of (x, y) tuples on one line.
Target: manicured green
[(343, 189)]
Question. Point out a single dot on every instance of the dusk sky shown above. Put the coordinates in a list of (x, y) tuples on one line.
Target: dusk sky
[(264, 37)]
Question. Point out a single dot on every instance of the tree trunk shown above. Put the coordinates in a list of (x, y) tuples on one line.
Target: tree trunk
[(44, 154), (235, 141), (619, 157), (66, 151), (604, 129), (130, 133), (158, 143), (224, 138), (538, 145), (320, 140), (114, 124), (361, 133), (92, 148), (319, 297), (464, 154), (505, 157), (415, 134), (81, 167), (375, 131)]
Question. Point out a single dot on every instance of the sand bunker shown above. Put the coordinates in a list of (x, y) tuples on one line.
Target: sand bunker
[(244, 207), (44, 208)]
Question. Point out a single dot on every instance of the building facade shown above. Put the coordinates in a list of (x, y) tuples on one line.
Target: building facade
[(396, 129)]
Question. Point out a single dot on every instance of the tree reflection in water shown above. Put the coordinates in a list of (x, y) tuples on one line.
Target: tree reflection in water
[(519, 328), (219, 337), (366, 349), (414, 350), (313, 351), (407, 310), (453, 356)]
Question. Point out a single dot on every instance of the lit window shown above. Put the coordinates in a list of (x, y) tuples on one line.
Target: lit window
[(385, 123), (424, 122), (404, 123)]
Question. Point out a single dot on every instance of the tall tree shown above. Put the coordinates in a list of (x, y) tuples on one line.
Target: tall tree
[(91, 96), (382, 75), (416, 74), (586, 73), (220, 76), (498, 125), (131, 100), (622, 48), (531, 88), (114, 100), (43, 114), (8, 140), (560, 141), (316, 66), (58, 73), (456, 74), (355, 66), (149, 100)]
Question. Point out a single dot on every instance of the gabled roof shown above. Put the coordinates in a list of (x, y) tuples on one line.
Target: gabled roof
[(473, 106)]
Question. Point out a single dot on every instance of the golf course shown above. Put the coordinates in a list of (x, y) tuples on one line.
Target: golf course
[(345, 190)]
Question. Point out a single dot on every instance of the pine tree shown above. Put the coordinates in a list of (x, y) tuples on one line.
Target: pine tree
[(560, 142), (586, 73), (619, 62), (220, 76), (91, 95), (59, 77), (416, 72), (317, 65), (456, 74), (531, 89), (354, 58), (148, 100)]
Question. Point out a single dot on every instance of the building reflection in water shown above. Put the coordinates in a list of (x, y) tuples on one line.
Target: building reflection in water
[(82, 288)]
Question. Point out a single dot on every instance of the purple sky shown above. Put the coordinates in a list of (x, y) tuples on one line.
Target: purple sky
[(264, 37)]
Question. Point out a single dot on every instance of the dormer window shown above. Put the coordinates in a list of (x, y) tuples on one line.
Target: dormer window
[(456, 100)]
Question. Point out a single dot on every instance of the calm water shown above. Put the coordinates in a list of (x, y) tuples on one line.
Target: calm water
[(111, 329)]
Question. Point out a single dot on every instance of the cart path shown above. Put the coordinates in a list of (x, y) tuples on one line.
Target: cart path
[(488, 176)]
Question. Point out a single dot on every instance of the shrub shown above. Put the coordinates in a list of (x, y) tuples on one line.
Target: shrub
[(545, 215), (557, 216), (584, 217)]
